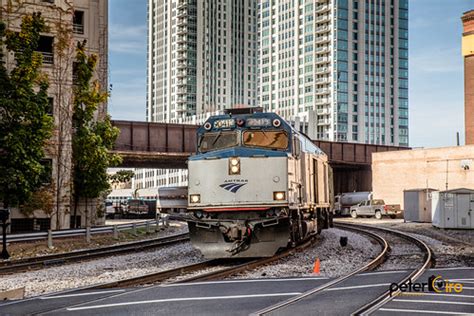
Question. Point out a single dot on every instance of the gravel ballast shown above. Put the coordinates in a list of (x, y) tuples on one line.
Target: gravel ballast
[(104, 270), (334, 259), (451, 247)]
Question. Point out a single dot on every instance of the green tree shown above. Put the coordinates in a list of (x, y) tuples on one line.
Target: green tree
[(25, 126), (92, 139), (122, 176)]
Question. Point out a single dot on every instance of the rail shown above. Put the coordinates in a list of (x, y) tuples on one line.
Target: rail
[(180, 271), (370, 265), (82, 231), (385, 297), (27, 264)]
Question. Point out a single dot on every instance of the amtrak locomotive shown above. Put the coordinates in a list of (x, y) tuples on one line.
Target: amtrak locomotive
[(255, 185)]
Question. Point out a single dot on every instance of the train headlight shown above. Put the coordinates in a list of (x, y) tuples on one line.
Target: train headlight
[(234, 166), (279, 196), (195, 198)]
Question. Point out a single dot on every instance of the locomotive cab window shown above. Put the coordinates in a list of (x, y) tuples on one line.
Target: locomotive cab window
[(220, 140), (266, 139)]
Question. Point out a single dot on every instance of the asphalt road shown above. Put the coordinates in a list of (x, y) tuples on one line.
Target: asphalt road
[(242, 297)]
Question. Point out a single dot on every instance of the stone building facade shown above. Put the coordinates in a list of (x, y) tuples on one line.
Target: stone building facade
[(69, 22)]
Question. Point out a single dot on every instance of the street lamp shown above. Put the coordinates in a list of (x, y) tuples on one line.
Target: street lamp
[(4, 215)]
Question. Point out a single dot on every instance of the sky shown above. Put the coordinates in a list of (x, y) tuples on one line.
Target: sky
[(436, 78)]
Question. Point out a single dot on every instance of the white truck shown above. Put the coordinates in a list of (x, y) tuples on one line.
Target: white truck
[(376, 208)]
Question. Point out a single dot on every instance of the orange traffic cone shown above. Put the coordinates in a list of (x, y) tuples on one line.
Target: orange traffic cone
[(316, 266)]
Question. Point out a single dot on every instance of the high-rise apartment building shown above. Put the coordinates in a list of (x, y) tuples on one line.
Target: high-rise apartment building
[(340, 66), (202, 58)]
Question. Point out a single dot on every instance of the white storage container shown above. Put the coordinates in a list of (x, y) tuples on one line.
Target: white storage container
[(417, 205), (453, 208)]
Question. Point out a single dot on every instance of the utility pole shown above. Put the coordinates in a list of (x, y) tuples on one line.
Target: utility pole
[(4, 215)]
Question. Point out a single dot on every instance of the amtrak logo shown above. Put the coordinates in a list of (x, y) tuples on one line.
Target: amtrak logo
[(233, 186)]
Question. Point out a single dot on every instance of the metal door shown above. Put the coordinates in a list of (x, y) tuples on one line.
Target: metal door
[(463, 209), (364, 209)]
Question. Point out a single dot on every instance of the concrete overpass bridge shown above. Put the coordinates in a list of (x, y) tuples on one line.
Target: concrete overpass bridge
[(163, 145)]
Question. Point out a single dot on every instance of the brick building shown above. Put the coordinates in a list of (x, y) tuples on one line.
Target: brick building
[(468, 55)]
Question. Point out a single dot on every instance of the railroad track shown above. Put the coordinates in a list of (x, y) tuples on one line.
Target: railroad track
[(219, 273), (82, 255), (368, 307)]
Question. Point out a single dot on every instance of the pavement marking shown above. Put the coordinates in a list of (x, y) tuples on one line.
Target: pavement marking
[(457, 268), (461, 280), (443, 294), (243, 281), (357, 287), (434, 302), (205, 298), (79, 294), (421, 311), (381, 272)]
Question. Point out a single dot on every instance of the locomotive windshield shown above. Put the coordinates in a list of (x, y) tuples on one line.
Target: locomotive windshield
[(214, 141), (266, 139)]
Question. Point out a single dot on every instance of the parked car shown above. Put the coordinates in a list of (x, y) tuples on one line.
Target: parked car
[(376, 208)]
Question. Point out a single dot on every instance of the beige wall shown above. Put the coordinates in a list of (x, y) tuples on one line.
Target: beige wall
[(393, 172)]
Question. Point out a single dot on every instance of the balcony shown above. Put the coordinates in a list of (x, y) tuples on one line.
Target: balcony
[(182, 30), (321, 80), (322, 91), (181, 74), (322, 8), (181, 39), (182, 4), (321, 50), (181, 48), (181, 91), (182, 20), (322, 29), (181, 65), (322, 101), (322, 111), (322, 70), (181, 82), (322, 39), (322, 19), (322, 60), (181, 56), (324, 122)]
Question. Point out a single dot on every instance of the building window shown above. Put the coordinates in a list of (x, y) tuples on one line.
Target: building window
[(50, 109), (78, 22), (45, 47), (74, 72), (47, 174)]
